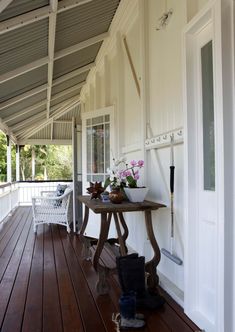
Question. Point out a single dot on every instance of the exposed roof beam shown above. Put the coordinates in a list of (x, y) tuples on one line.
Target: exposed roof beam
[(23, 96), (37, 15), (62, 122), (7, 131), (69, 90), (49, 60), (52, 129), (24, 69), (73, 73), (51, 49), (69, 4), (81, 45), (27, 121), (45, 123), (24, 111), (24, 19), (4, 4), (32, 141)]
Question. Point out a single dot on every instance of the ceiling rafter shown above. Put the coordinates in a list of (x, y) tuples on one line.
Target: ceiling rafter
[(23, 123), (24, 111), (57, 114), (73, 73), (51, 48), (7, 131), (24, 69), (79, 46), (37, 15), (23, 96), (50, 59), (67, 91), (4, 4)]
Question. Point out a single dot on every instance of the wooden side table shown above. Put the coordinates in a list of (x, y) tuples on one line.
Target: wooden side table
[(107, 211)]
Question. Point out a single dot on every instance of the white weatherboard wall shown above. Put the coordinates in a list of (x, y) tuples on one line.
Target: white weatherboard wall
[(111, 83)]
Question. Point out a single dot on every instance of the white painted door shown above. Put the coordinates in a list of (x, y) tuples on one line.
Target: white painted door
[(97, 143), (204, 171), (207, 196)]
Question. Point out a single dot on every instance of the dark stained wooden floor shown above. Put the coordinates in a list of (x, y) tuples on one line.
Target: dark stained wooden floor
[(45, 285)]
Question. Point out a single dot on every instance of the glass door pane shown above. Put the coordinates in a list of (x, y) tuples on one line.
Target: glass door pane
[(208, 117)]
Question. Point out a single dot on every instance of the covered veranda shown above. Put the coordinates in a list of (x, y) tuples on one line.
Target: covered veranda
[(46, 284)]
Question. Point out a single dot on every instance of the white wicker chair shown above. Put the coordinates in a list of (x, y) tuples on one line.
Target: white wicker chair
[(51, 209)]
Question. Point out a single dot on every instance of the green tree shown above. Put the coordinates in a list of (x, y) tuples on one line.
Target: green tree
[(3, 157)]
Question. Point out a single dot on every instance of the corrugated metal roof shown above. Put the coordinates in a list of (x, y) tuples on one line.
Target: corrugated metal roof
[(69, 83), (23, 83), (83, 22), (65, 97), (24, 45), (28, 115), (76, 60), (44, 133), (22, 105), (18, 7), (62, 130), (75, 112)]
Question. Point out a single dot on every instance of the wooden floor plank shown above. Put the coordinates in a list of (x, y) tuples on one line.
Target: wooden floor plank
[(32, 320), (47, 285), (11, 231), (15, 309), (86, 302), (10, 274), (52, 320), (105, 304), (71, 317)]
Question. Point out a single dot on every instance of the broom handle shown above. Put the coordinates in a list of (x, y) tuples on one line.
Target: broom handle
[(172, 181)]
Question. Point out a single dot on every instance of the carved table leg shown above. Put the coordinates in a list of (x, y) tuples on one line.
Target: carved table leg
[(151, 266), (124, 225), (120, 236), (86, 252), (102, 286)]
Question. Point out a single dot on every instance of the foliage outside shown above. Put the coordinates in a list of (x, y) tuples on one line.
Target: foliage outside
[(52, 162)]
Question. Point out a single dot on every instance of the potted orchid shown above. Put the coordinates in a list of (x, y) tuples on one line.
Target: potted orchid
[(125, 176)]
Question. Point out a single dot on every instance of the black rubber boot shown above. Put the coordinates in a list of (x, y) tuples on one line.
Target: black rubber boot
[(131, 273)]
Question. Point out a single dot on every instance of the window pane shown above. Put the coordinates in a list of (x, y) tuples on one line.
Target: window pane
[(107, 147), (208, 117), (98, 178), (98, 149), (89, 149), (98, 120), (106, 118)]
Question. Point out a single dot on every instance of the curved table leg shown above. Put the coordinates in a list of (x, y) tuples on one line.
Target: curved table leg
[(85, 241), (153, 279), (102, 286), (120, 236), (124, 225)]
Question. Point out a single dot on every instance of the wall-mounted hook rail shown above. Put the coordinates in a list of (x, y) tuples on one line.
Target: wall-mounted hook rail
[(164, 139)]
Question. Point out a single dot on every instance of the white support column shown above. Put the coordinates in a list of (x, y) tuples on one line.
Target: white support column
[(17, 162), (9, 177), (74, 149), (33, 163)]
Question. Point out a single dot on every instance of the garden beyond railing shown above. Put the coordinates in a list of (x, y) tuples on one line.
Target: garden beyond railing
[(21, 193)]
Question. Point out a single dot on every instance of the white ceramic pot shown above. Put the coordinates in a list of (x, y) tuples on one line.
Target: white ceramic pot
[(136, 194)]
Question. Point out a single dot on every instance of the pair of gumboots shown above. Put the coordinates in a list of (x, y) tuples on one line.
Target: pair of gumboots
[(131, 274)]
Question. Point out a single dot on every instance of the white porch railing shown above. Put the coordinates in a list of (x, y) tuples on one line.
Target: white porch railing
[(20, 193)]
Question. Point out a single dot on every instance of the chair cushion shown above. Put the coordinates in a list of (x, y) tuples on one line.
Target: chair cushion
[(60, 189)]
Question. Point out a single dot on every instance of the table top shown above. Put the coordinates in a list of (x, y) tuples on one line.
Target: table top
[(97, 206)]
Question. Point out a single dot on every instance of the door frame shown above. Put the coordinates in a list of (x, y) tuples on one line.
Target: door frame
[(211, 13)]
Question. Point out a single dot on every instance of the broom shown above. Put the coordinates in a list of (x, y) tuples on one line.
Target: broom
[(170, 254)]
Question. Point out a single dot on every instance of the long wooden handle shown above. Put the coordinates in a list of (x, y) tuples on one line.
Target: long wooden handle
[(132, 66)]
